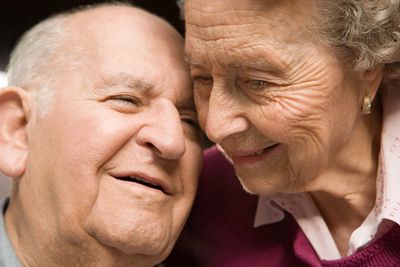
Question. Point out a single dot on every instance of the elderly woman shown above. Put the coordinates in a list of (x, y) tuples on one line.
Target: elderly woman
[(303, 99)]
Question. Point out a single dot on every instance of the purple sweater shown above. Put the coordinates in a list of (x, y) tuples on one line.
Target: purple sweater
[(220, 231)]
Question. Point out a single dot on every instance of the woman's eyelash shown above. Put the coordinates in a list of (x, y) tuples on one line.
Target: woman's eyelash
[(255, 84)]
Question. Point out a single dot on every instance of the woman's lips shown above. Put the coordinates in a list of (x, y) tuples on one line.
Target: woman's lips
[(246, 157)]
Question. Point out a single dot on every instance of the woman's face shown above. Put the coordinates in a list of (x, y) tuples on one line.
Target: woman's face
[(269, 92)]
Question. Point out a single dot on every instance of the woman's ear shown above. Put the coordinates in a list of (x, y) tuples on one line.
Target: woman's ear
[(14, 114), (371, 80)]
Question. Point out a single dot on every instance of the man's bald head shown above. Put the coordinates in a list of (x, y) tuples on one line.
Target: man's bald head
[(64, 42)]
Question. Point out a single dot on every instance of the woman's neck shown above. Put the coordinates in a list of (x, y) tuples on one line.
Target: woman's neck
[(346, 191)]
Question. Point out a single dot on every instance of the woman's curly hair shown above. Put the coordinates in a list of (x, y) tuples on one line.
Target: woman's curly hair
[(365, 33)]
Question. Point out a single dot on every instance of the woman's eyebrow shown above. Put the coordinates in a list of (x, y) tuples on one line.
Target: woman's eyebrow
[(274, 65)]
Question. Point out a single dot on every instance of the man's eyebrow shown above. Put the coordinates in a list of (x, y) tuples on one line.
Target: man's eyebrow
[(131, 82), (125, 80)]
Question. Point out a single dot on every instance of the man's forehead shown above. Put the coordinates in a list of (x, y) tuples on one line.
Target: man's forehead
[(106, 23)]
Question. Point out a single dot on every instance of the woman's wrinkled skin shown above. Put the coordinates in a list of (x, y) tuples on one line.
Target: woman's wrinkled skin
[(282, 106)]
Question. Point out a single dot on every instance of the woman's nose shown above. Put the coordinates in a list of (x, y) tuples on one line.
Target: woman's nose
[(224, 118)]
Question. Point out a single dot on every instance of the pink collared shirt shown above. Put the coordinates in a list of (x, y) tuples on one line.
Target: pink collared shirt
[(385, 213)]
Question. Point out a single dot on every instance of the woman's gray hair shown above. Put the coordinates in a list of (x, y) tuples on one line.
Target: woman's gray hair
[(365, 33)]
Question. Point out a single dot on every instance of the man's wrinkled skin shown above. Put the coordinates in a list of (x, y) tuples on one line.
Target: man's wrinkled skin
[(126, 110)]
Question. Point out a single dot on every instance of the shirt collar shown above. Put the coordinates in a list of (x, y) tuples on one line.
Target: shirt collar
[(387, 204), (267, 212), (7, 254)]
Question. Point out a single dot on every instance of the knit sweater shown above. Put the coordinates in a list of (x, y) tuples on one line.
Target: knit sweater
[(220, 231)]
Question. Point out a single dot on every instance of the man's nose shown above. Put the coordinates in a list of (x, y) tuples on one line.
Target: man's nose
[(224, 116), (163, 132)]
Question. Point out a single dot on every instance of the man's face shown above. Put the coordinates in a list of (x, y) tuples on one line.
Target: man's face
[(116, 158), (275, 99)]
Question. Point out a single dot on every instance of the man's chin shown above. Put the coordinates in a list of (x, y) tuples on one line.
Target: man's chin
[(140, 237)]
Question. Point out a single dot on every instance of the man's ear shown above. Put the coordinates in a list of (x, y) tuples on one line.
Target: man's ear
[(14, 114)]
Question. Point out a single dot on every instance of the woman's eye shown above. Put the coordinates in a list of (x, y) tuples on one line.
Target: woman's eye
[(256, 84), (202, 81)]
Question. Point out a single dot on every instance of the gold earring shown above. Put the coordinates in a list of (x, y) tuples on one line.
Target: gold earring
[(366, 106)]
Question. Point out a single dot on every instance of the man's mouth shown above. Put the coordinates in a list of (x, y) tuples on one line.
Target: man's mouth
[(141, 181)]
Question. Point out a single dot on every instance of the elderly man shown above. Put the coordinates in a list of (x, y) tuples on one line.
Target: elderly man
[(302, 98), (98, 131)]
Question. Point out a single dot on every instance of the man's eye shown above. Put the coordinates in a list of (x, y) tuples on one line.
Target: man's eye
[(126, 100), (190, 121)]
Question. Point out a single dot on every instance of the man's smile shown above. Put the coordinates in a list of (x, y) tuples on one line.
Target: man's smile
[(141, 181), (149, 181)]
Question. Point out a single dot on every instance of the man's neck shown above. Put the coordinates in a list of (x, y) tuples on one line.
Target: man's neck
[(35, 247)]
